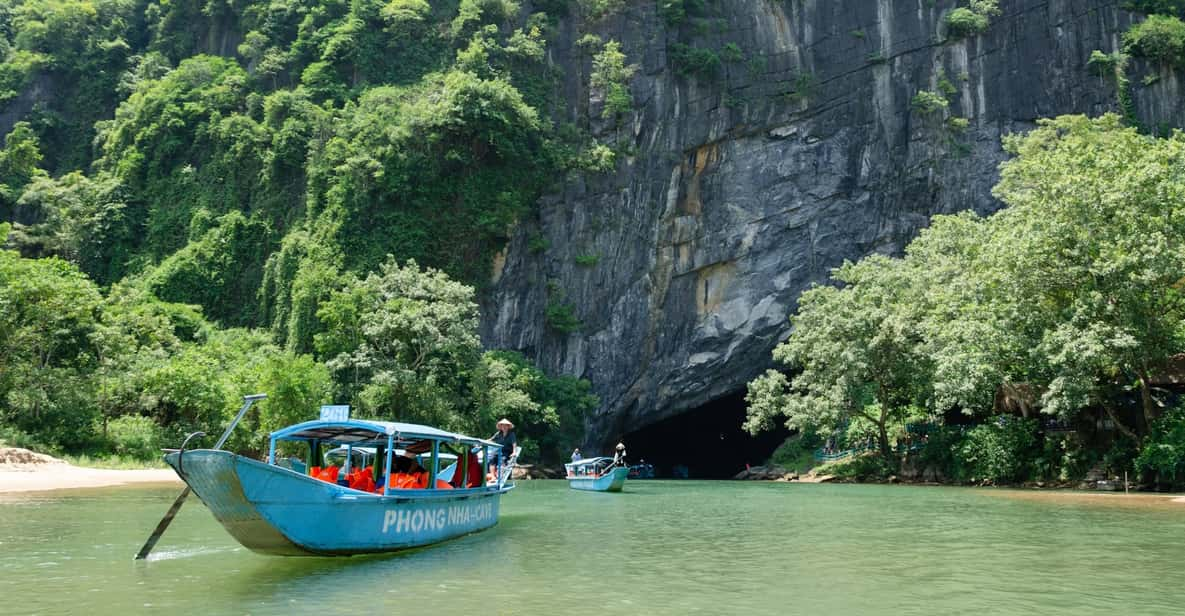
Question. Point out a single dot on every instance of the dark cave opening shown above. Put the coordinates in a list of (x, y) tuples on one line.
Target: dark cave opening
[(707, 440)]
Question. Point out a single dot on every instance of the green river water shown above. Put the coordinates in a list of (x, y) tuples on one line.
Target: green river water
[(662, 547)]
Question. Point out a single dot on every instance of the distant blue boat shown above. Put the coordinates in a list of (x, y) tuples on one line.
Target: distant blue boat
[(409, 501), (597, 475)]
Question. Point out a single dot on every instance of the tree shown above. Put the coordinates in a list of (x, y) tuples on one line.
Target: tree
[(611, 75), (20, 162), (48, 310), (1160, 37), (1093, 242), (853, 352), (403, 342), (548, 412), (417, 334)]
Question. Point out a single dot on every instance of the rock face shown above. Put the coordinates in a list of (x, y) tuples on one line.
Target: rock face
[(739, 189)]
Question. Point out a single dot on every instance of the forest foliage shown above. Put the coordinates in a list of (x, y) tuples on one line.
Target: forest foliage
[(1072, 294), (221, 190)]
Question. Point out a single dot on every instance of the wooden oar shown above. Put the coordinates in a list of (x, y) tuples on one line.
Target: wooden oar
[(172, 512)]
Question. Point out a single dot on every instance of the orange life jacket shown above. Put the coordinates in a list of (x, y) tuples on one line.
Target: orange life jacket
[(408, 481), (362, 479)]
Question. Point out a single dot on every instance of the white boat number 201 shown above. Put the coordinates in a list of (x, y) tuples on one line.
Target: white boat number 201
[(403, 520)]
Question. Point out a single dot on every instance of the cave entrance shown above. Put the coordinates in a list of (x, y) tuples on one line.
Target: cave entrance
[(707, 440)]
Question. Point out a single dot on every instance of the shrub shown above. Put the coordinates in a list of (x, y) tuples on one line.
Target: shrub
[(611, 75), (1121, 457), (597, 158), (1160, 38), (972, 19), (1156, 7), (945, 86), (797, 452), (536, 243), (732, 53), (1103, 64), (927, 102), (858, 468), (134, 435), (805, 86), (998, 451), (939, 451), (12, 437), (675, 11), (589, 41), (697, 61), (600, 9), (561, 317), (1063, 458), (587, 260), (1164, 448), (963, 22)]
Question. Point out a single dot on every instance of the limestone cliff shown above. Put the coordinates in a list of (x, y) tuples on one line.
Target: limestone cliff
[(741, 188)]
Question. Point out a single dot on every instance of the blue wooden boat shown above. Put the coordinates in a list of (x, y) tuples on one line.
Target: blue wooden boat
[(402, 501), (597, 475)]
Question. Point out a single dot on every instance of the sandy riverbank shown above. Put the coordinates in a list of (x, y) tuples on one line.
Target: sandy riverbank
[(1136, 500), (22, 470)]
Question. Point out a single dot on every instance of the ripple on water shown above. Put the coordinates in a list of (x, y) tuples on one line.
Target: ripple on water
[(659, 548)]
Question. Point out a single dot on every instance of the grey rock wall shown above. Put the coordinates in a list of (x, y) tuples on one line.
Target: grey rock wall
[(741, 190)]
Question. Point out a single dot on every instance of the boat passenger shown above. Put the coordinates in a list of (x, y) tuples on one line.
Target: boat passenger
[(407, 474), (504, 437), (576, 457), (619, 455)]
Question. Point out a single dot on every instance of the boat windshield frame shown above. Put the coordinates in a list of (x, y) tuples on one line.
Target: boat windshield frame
[(392, 436), (589, 467), (589, 461)]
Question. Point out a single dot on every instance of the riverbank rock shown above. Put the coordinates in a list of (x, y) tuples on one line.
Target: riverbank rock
[(18, 459), (526, 472), (765, 473)]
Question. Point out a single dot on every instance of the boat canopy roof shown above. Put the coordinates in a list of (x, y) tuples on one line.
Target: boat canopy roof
[(588, 462), (354, 431), (372, 450)]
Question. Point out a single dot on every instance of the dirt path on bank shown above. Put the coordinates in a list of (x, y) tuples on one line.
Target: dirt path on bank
[(22, 470)]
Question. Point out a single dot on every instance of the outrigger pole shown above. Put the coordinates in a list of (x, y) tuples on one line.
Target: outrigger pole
[(172, 512)]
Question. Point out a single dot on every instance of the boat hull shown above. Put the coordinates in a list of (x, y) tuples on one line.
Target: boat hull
[(613, 481), (274, 510)]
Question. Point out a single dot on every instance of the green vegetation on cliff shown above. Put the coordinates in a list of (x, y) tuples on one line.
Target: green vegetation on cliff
[(123, 372), (243, 172)]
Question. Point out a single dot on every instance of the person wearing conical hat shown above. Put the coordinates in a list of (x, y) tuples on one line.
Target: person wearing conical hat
[(504, 437), (619, 454)]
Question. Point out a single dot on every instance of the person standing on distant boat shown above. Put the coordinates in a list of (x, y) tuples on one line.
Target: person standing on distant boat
[(619, 455), (576, 457), (504, 437)]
